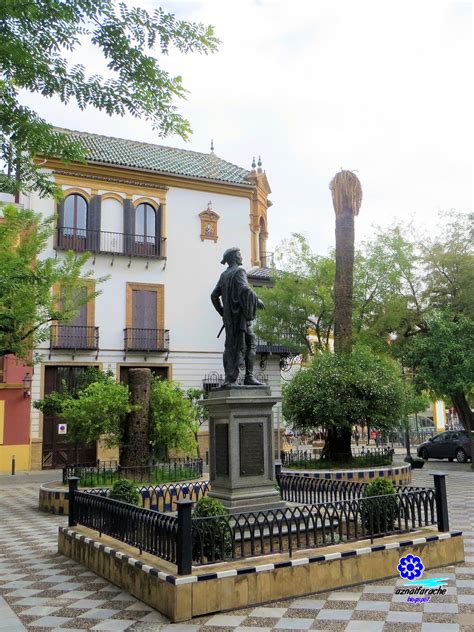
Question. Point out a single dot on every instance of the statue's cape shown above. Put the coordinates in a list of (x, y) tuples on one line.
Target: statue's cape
[(238, 298)]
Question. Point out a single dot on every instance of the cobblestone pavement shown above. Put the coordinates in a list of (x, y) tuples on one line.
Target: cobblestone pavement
[(44, 591)]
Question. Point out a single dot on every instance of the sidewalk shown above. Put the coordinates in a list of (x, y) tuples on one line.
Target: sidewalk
[(23, 478)]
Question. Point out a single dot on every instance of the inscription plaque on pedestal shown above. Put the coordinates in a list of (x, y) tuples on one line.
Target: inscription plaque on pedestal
[(222, 449), (252, 459)]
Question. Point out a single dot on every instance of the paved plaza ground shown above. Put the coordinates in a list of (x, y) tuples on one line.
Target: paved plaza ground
[(42, 590)]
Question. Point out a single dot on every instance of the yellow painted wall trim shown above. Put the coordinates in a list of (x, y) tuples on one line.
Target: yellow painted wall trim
[(160, 302), (70, 190), (145, 200), (22, 457), (6, 386), (143, 178)]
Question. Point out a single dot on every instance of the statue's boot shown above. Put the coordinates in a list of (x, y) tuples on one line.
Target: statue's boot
[(250, 380)]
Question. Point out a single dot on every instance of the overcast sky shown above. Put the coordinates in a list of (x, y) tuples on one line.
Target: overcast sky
[(380, 87)]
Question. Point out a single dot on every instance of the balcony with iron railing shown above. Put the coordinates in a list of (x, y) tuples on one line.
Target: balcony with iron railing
[(74, 337), (109, 243), (263, 346), (146, 340)]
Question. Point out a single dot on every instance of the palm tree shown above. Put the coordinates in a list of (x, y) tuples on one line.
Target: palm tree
[(346, 197)]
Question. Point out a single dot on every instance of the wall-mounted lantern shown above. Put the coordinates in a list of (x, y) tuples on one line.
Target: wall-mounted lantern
[(27, 380)]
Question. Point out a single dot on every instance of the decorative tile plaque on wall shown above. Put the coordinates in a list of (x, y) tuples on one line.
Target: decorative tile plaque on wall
[(209, 221)]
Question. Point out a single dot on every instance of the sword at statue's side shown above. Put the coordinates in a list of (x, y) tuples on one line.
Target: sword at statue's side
[(220, 331)]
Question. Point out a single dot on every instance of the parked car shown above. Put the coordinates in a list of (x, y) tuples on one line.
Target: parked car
[(447, 445)]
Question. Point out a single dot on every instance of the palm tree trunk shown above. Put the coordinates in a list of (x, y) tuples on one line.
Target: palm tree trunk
[(137, 439), (344, 281)]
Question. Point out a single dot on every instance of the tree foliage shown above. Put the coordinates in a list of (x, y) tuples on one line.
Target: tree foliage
[(27, 304), (174, 418), (39, 41), (413, 298), (97, 409), (442, 361), (301, 303), (339, 391)]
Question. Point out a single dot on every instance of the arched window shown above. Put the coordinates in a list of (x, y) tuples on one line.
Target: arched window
[(75, 215), (145, 224)]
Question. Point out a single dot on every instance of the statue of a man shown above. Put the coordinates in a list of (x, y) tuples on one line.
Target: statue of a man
[(237, 303)]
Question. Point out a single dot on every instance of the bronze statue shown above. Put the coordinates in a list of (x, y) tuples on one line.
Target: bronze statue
[(237, 303)]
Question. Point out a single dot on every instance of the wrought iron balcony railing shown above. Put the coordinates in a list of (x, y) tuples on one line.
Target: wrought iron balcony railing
[(105, 242), (266, 259), (74, 337), (263, 346), (138, 339)]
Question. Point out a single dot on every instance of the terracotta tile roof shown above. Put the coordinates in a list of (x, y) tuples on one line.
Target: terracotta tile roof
[(159, 158)]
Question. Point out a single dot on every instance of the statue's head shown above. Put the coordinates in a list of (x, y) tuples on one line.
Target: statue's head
[(232, 256)]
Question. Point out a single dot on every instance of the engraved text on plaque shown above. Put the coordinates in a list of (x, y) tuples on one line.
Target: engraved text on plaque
[(252, 461), (222, 449)]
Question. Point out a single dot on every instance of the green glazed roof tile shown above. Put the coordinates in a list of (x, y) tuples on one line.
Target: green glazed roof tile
[(159, 158)]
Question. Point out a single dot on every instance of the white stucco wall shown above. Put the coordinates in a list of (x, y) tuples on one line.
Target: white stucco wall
[(189, 274)]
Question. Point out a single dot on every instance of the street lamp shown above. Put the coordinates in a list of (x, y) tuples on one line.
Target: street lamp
[(27, 380)]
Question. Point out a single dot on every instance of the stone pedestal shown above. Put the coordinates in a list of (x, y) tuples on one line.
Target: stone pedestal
[(242, 472)]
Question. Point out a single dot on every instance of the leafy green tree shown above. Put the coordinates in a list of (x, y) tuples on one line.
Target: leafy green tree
[(37, 39), (174, 418), (340, 391), (97, 410), (300, 307), (442, 361), (27, 304), (448, 265)]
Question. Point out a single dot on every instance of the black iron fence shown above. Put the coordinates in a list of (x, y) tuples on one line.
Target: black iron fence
[(184, 540), (361, 457), (307, 490), (147, 530), (310, 526), (107, 472)]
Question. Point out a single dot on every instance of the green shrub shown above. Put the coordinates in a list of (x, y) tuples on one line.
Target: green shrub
[(212, 538), (379, 487), (380, 515), (126, 491)]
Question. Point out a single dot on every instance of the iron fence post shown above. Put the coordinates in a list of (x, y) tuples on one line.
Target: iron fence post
[(441, 501), (73, 481), (277, 472), (184, 539)]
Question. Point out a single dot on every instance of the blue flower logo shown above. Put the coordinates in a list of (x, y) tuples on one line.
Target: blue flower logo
[(410, 567)]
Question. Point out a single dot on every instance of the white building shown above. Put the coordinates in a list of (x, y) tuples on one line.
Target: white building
[(157, 220)]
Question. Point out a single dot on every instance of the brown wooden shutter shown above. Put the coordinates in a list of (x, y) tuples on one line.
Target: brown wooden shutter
[(158, 244), (60, 229), (128, 226), (144, 318), (93, 224)]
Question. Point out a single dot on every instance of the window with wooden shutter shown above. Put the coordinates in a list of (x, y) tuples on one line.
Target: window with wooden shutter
[(80, 332), (145, 317)]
